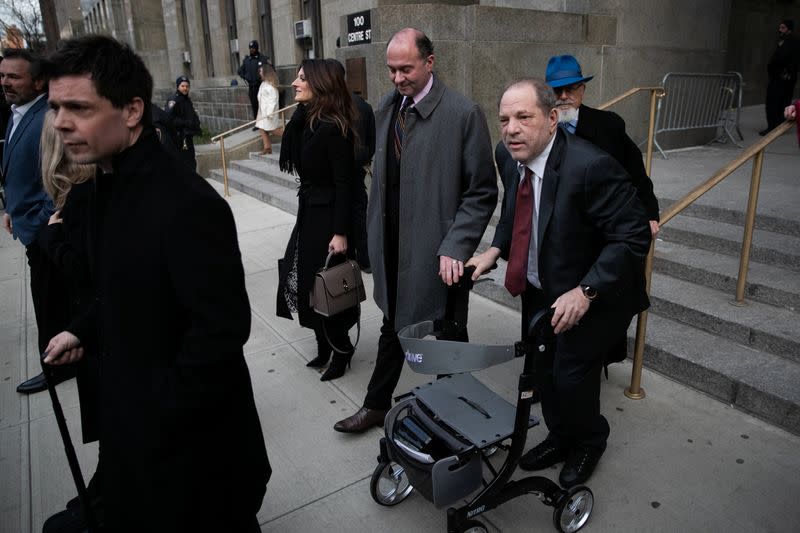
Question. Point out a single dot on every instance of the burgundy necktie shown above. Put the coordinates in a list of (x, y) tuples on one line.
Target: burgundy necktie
[(517, 270)]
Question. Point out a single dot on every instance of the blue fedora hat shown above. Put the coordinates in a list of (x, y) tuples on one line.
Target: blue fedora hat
[(564, 70)]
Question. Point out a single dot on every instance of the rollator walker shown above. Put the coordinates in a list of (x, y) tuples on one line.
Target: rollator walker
[(438, 437)]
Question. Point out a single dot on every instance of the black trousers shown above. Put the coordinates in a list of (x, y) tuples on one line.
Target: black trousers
[(49, 295), (252, 92), (568, 377), (359, 222), (779, 95), (390, 360)]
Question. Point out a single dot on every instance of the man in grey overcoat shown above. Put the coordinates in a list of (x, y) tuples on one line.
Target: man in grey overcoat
[(434, 189)]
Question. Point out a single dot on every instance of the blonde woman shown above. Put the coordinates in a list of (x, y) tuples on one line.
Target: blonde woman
[(64, 242), (267, 121)]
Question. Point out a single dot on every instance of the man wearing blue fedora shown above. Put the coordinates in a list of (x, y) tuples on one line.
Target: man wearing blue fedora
[(604, 129)]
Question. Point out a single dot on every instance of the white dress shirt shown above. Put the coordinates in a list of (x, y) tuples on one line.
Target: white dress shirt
[(18, 112)]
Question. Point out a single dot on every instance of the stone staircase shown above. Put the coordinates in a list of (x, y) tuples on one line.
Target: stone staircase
[(746, 356)]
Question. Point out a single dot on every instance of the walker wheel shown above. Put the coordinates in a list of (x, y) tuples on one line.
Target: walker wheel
[(389, 484), (473, 526), (573, 512)]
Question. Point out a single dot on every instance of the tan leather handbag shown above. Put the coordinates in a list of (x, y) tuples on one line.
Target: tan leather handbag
[(338, 289)]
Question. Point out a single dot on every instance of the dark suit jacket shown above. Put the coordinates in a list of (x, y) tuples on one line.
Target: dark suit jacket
[(592, 227), (606, 130), (27, 203), (179, 428)]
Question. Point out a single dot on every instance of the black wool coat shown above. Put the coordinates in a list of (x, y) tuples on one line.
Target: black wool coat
[(606, 130), (65, 245), (182, 443), (323, 160)]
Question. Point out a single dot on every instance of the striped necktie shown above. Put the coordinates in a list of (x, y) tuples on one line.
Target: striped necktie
[(400, 125)]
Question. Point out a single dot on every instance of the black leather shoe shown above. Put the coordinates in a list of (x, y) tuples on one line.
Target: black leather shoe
[(541, 456), (363, 420), (38, 384), (579, 466)]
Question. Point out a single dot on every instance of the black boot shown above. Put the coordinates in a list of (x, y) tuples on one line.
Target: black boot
[(323, 351), (338, 364)]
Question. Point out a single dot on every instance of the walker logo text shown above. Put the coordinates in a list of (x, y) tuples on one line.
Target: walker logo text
[(414, 357), (476, 511)]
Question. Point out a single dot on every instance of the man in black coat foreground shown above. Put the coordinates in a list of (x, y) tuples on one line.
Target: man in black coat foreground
[(575, 236), (182, 443)]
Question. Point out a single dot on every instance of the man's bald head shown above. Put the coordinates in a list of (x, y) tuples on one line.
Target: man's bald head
[(409, 57)]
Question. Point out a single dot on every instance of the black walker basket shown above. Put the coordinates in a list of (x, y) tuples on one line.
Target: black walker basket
[(438, 437)]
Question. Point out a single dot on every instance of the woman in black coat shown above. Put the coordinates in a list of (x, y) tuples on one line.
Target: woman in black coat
[(64, 242), (318, 145)]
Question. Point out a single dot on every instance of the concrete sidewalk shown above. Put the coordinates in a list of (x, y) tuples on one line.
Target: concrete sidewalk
[(676, 461)]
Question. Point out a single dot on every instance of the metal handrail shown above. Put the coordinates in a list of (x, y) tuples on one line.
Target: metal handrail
[(755, 152), (221, 139), (656, 93)]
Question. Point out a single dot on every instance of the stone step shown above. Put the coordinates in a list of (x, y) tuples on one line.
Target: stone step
[(760, 326), (272, 159), (765, 283), (768, 247), (760, 383), (259, 169), (266, 191), (737, 217)]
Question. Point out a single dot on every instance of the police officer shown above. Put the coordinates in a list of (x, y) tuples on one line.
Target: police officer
[(184, 120), (249, 73)]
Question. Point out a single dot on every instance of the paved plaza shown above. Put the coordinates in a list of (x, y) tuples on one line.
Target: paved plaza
[(676, 461)]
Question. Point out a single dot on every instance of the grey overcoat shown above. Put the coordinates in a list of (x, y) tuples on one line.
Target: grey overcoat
[(448, 192)]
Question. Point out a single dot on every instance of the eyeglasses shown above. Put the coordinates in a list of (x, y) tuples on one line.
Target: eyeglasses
[(569, 89)]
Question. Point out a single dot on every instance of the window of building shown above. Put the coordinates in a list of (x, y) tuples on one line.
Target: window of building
[(265, 28), (187, 65), (207, 38), (233, 34)]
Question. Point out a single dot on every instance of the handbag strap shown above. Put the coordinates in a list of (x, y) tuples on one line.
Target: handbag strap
[(358, 333)]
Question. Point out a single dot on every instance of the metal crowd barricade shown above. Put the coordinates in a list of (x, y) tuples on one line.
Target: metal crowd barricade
[(696, 101)]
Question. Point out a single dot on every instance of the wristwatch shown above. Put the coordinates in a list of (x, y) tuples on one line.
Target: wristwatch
[(589, 292)]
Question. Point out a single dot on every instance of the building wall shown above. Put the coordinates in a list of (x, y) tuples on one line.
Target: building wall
[(623, 43), (480, 44), (752, 39), (69, 18)]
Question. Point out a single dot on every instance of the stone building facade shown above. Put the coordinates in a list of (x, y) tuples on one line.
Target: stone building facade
[(480, 44)]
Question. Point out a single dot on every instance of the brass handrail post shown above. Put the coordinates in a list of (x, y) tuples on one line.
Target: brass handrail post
[(224, 167), (655, 94), (749, 223), (635, 391)]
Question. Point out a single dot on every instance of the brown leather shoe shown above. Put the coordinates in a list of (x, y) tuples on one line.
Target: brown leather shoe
[(363, 420)]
